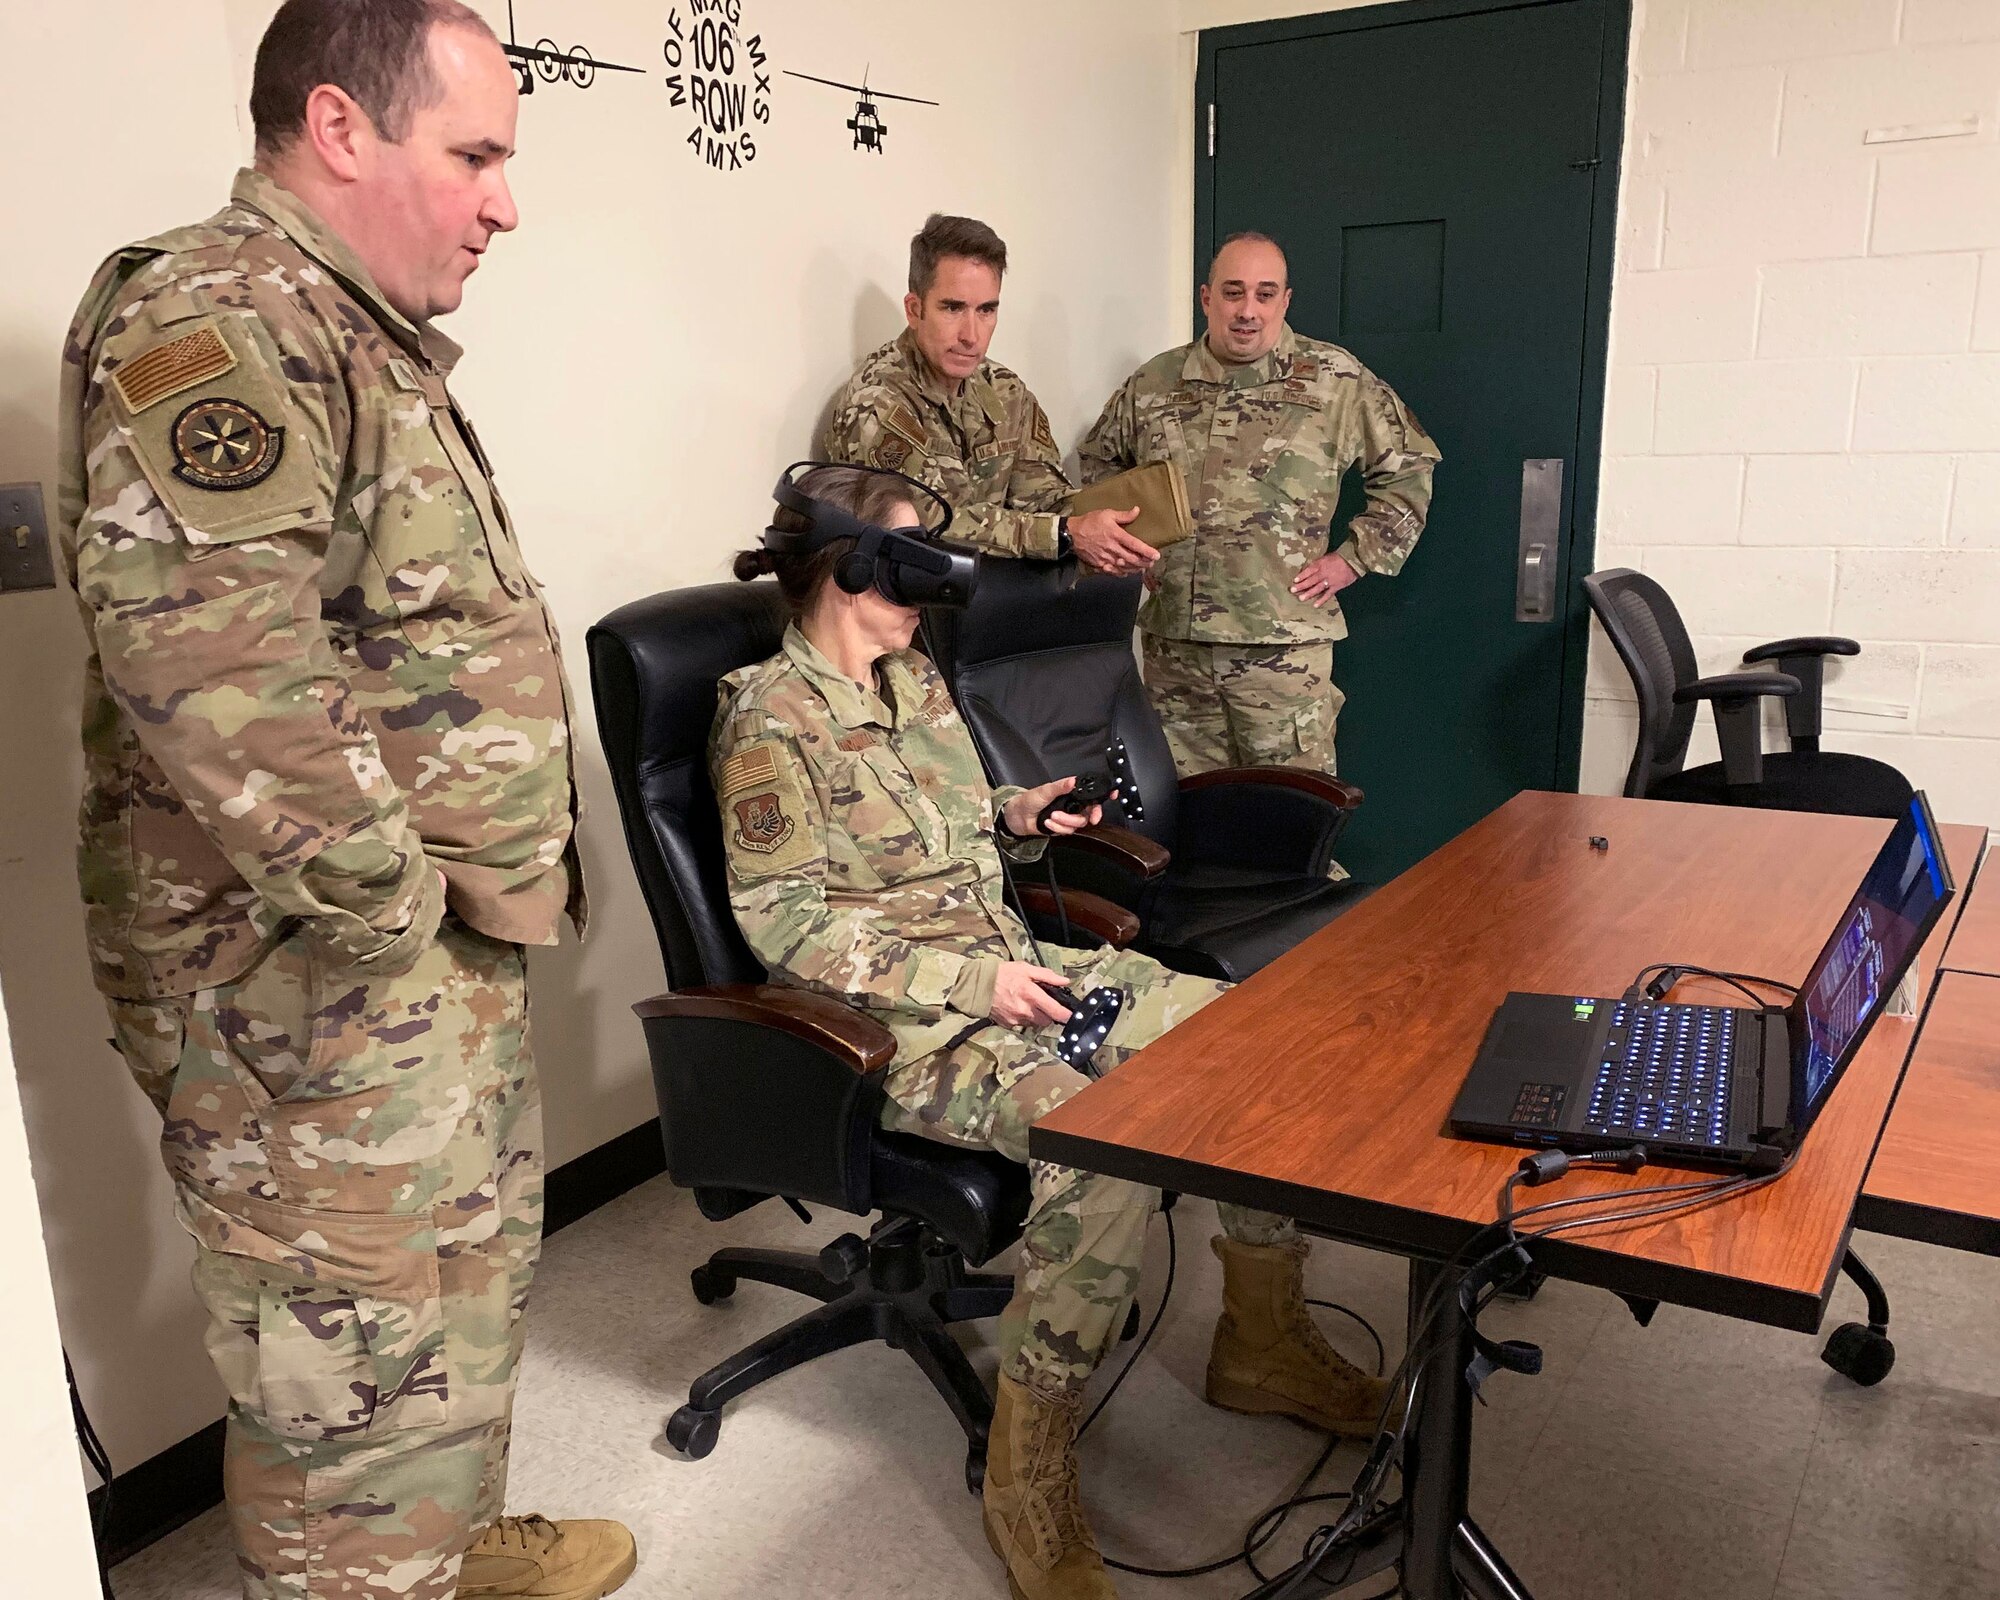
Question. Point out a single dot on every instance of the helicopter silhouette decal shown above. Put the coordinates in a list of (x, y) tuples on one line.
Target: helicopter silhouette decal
[(866, 124), (551, 63)]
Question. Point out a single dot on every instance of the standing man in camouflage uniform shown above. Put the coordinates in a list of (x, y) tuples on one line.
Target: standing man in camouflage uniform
[(1239, 630), (930, 404), (328, 800), (864, 849)]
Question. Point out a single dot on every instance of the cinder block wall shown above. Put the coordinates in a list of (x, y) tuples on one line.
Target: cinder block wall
[(1803, 428)]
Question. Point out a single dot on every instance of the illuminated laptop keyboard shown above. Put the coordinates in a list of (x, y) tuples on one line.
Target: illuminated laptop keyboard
[(1665, 1074)]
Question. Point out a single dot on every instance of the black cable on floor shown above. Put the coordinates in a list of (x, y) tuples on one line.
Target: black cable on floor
[(100, 1463)]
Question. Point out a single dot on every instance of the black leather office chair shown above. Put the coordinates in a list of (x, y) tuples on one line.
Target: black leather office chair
[(772, 1091), (1226, 870), (1646, 631)]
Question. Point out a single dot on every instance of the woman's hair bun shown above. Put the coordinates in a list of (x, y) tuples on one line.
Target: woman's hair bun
[(754, 564)]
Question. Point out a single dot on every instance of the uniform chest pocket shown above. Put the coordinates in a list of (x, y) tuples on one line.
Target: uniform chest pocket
[(897, 833), (426, 529), (992, 463), (1162, 430)]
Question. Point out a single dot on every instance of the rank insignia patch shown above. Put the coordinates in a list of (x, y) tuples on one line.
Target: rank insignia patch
[(761, 823), (224, 444)]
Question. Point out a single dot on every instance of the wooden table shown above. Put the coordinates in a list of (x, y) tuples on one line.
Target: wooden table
[(1975, 947), (1934, 1178), (1321, 1087)]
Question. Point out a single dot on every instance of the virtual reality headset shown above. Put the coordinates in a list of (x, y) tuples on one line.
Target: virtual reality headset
[(910, 566)]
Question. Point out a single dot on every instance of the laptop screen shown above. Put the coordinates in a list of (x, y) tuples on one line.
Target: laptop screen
[(1876, 942)]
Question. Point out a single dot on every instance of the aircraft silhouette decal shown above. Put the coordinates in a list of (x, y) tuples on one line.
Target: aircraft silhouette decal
[(866, 124), (553, 64)]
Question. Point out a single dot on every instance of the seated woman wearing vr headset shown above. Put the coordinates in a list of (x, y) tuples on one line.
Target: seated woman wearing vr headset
[(864, 848)]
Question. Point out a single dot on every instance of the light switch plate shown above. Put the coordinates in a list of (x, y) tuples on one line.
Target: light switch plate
[(25, 561)]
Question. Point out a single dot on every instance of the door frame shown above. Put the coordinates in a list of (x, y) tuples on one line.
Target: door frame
[(1588, 452)]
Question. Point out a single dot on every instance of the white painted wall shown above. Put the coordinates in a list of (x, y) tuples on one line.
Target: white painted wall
[(44, 1522), (648, 351), (1803, 428)]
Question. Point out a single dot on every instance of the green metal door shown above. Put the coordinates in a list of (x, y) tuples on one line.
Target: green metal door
[(1442, 176)]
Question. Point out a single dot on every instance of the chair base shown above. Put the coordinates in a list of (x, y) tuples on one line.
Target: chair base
[(905, 1285)]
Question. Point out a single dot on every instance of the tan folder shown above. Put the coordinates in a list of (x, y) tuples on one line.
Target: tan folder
[(1157, 489)]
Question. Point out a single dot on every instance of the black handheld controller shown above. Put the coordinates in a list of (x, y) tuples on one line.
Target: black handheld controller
[(1120, 763), (1089, 1024), (1092, 789)]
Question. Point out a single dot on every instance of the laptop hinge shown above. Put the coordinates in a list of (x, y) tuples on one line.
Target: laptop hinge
[(1774, 1076)]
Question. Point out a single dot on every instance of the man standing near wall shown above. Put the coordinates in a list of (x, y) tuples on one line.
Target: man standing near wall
[(328, 800), (1239, 630), (930, 405)]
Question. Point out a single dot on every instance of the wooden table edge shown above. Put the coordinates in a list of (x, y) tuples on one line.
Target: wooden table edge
[(1950, 962), (1399, 1230)]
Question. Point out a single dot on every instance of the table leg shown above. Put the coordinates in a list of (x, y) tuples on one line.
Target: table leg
[(1437, 1450)]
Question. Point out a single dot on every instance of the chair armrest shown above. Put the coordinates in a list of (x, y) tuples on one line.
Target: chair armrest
[(855, 1039), (1334, 791), (1275, 819), (1811, 645), (1737, 686), (1804, 659), (1131, 852), (1739, 716), (1108, 924), (765, 1089)]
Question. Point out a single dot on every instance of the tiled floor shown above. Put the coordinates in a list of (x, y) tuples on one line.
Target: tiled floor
[(1698, 1459)]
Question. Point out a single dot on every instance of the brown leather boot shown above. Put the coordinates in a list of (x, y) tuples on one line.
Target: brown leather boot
[(1270, 1357), (1034, 1509)]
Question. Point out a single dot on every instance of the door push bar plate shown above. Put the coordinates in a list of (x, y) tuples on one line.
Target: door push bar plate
[(1541, 529)]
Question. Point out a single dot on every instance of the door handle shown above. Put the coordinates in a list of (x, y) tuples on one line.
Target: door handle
[(1541, 528)]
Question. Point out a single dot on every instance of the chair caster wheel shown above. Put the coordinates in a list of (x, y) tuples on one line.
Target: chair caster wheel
[(975, 1471), (710, 1286), (693, 1432), (1861, 1353)]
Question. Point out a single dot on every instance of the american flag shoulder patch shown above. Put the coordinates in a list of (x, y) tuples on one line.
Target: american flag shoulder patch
[(168, 369), (749, 769)]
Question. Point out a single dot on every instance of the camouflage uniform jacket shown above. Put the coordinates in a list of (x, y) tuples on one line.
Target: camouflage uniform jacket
[(859, 830), (987, 448), (320, 671), (1263, 447)]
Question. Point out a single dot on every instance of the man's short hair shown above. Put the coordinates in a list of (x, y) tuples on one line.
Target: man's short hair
[(1249, 236), (378, 51), (952, 236)]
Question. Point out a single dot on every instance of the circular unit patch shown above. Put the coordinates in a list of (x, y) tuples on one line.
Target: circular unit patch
[(224, 444)]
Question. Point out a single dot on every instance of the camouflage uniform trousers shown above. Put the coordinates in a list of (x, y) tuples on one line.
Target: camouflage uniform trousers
[(1244, 705), (360, 1163), (1085, 1234)]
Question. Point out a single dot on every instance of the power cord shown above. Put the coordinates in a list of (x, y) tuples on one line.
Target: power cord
[(1423, 1347), (100, 1463), (1269, 1522)]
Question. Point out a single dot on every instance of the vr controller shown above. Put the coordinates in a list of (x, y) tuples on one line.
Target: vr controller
[(1089, 1023), (1095, 788)]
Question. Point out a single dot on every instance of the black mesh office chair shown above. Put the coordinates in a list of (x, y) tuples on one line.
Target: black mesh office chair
[(771, 1091), (1226, 870), (1646, 631)]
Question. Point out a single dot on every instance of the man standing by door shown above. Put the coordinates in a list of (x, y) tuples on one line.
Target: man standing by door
[(930, 405), (328, 799), (1239, 630)]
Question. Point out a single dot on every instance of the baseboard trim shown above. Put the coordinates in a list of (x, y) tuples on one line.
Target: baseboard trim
[(151, 1500)]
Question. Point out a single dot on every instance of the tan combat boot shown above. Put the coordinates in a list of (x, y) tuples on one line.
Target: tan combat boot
[(532, 1558), (1270, 1357), (1034, 1510)]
